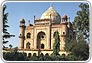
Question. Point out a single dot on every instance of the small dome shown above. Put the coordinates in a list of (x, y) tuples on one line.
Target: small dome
[(54, 15), (65, 16), (22, 21)]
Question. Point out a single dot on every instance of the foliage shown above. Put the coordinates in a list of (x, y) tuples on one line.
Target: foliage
[(71, 57), (41, 57), (56, 45), (63, 57), (54, 57), (47, 57), (81, 21), (69, 44), (6, 34), (34, 57), (14, 55), (79, 49)]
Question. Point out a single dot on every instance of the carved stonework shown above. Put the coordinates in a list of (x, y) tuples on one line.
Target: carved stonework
[(42, 31)]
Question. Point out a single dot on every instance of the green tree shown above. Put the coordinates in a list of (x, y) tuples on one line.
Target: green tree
[(6, 34), (41, 57), (34, 57), (78, 49), (81, 49), (63, 57), (56, 45), (14, 55), (69, 44), (81, 21), (81, 24), (47, 57)]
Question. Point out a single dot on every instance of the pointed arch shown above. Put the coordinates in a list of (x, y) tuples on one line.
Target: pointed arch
[(28, 45), (42, 46), (40, 37), (28, 35)]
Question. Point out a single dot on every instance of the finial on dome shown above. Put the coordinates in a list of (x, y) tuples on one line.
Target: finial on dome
[(34, 17), (51, 5), (29, 22), (69, 19)]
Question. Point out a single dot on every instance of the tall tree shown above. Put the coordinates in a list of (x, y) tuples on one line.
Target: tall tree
[(6, 34), (79, 48), (81, 21), (56, 45)]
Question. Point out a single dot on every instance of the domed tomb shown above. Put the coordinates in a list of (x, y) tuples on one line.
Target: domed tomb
[(51, 13)]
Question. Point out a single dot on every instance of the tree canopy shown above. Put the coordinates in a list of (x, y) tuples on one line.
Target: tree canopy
[(6, 34), (81, 21), (78, 48), (56, 45)]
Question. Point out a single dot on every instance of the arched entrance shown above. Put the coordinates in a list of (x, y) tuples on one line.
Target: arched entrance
[(41, 40), (28, 45), (42, 46)]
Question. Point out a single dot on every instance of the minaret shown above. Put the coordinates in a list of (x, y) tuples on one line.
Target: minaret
[(22, 33), (64, 31), (64, 18), (64, 25)]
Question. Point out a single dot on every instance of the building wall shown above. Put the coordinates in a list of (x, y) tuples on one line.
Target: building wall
[(34, 32), (53, 30), (49, 32), (31, 39), (36, 29), (39, 29)]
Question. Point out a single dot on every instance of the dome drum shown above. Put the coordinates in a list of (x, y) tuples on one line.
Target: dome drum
[(52, 14)]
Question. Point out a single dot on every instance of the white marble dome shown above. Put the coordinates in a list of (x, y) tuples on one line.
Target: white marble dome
[(55, 17)]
